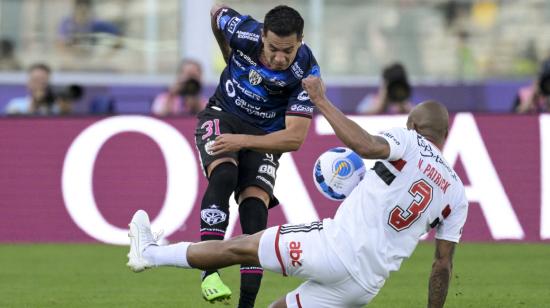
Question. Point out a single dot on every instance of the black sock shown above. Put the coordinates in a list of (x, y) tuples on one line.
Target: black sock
[(215, 203), (253, 216)]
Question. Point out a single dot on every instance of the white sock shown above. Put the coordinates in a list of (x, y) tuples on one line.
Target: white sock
[(170, 255)]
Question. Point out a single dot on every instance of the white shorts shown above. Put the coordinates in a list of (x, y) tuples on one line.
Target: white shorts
[(302, 251)]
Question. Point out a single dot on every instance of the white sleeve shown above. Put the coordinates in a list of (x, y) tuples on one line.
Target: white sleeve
[(398, 139), (450, 229)]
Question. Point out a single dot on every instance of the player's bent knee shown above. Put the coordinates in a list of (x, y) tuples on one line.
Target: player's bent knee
[(245, 248), (218, 162), (254, 191)]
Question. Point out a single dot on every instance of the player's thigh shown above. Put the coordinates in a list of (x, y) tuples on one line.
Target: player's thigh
[(344, 293), (301, 251), (258, 170), (212, 123)]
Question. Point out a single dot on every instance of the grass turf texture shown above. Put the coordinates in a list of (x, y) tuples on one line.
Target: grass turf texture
[(75, 275)]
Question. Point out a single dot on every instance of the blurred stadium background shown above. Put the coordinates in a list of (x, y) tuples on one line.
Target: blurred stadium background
[(69, 184)]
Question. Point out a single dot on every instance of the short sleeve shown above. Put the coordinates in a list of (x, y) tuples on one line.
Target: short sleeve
[(240, 31), (450, 229), (397, 138)]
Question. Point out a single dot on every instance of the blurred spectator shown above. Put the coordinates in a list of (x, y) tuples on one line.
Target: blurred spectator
[(535, 98), (65, 98), (8, 61), (184, 97), (39, 100), (103, 104), (393, 94), (81, 29)]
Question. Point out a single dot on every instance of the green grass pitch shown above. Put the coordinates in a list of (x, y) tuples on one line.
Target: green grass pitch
[(77, 275)]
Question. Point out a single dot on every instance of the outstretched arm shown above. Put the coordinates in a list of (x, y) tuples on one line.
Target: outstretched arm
[(218, 34), (441, 273), (349, 132)]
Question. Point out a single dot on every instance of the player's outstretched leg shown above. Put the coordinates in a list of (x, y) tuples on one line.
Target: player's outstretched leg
[(208, 255), (143, 243)]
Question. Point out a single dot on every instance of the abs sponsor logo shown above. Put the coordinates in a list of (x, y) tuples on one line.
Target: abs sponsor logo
[(232, 25), (297, 71), (303, 96), (302, 108), (248, 36), (213, 215), (268, 169), (295, 254), (254, 77)]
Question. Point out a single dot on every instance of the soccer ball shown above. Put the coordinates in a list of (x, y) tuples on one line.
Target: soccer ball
[(337, 172)]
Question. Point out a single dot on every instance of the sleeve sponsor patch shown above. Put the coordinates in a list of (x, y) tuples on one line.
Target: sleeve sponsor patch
[(232, 24), (391, 137), (301, 108)]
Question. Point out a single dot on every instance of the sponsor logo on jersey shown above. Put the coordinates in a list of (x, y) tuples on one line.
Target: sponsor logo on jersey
[(249, 93), (297, 70), (303, 96), (232, 25), (246, 58), (302, 108), (207, 147), (254, 110), (213, 215), (391, 137), (295, 253), (248, 36), (254, 77), (268, 169), (266, 181)]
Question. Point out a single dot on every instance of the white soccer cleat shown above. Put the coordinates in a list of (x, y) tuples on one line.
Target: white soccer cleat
[(141, 237)]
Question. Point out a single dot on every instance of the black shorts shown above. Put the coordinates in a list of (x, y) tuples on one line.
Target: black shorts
[(255, 168)]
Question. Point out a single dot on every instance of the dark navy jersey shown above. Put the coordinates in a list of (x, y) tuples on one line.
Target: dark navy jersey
[(253, 92)]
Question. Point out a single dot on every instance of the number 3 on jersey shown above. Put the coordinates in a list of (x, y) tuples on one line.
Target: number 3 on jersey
[(422, 194)]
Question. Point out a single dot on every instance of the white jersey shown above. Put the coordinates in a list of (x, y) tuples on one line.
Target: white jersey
[(398, 201)]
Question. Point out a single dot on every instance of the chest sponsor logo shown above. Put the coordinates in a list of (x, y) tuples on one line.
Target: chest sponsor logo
[(248, 36), (295, 254), (246, 58), (254, 77), (297, 71)]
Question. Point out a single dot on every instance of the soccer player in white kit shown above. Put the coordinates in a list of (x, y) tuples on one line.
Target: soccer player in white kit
[(346, 260)]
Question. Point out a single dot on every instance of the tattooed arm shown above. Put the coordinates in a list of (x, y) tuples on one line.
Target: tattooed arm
[(441, 273)]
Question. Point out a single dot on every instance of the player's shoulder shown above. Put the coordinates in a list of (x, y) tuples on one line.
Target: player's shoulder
[(305, 63)]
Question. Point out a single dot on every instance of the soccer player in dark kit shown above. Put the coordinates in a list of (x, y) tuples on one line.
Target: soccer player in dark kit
[(259, 111)]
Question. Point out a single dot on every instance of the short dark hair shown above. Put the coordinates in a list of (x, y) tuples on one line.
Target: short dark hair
[(284, 21), (39, 66)]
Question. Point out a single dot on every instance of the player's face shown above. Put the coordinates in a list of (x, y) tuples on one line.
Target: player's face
[(279, 51)]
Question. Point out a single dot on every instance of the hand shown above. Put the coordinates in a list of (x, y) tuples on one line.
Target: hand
[(314, 87), (227, 143)]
